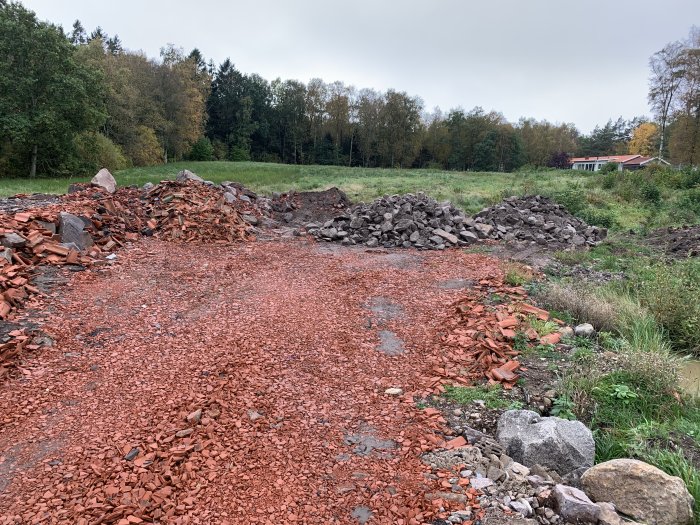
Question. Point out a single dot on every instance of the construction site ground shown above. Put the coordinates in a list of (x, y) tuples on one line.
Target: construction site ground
[(194, 383)]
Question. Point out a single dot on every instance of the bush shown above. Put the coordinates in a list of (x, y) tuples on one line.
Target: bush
[(202, 150), (239, 153), (602, 218), (650, 192), (145, 150), (573, 199), (610, 167), (95, 151), (670, 292)]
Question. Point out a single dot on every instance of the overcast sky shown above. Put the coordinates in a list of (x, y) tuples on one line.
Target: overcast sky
[(580, 61)]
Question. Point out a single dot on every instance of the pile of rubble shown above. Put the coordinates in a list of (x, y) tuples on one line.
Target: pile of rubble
[(190, 211), (534, 219), (482, 336), (421, 222), (92, 221), (541, 469), (399, 220)]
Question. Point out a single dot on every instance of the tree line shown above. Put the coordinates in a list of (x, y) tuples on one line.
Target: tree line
[(73, 102)]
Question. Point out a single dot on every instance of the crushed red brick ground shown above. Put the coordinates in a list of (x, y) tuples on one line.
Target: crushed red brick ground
[(182, 212), (248, 388)]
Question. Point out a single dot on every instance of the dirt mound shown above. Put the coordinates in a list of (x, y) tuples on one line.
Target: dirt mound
[(399, 220), (677, 242), (534, 219), (301, 208)]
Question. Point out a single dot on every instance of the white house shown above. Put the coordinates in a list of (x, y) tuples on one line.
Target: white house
[(627, 162)]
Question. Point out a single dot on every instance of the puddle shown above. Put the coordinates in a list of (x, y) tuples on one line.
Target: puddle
[(362, 514), (366, 442), (403, 261), (690, 377), (389, 343), (385, 309), (456, 284)]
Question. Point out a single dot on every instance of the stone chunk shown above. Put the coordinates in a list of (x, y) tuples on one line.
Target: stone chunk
[(104, 180), (641, 491), (12, 240), (72, 230), (186, 175), (554, 443), (574, 506), (447, 236)]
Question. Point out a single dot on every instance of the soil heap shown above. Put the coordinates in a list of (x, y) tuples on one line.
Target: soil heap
[(677, 242), (535, 219), (410, 220)]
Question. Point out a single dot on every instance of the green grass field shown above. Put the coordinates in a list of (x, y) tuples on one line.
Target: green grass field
[(583, 193), (471, 191)]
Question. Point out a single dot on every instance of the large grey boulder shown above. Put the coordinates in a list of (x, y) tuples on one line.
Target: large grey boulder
[(104, 180), (186, 175), (641, 491), (554, 443), (71, 228)]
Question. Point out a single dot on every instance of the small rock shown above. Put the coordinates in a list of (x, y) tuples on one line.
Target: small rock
[(148, 186), (573, 505), (250, 219), (195, 417), (523, 507), (584, 330), (394, 392), (184, 433), (132, 454), (254, 415), (12, 240), (566, 332), (555, 443), (480, 483)]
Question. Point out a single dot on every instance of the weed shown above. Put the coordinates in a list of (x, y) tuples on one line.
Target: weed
[(521, 342), (517, 275), (492, 396), (542, 327), (563, 407)]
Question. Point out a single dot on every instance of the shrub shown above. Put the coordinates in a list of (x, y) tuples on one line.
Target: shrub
[(95, 151), (202, 150), (670, 292), (239, 153), (602, 218), (610, 167), (145, 150), (650, 192), (573, 199)]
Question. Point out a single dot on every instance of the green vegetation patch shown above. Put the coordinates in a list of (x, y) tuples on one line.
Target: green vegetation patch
[(492, 396)]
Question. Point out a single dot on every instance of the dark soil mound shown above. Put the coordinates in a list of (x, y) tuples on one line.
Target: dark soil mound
[(677, 242), (300, 208)]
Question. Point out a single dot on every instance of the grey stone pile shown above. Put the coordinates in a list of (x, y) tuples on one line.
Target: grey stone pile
[(535, 219), (410, 220)]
